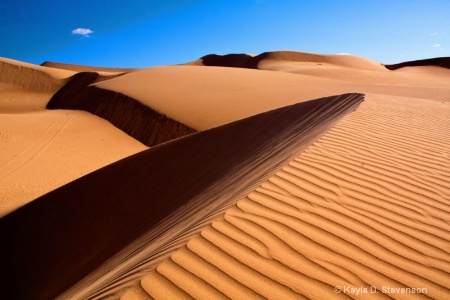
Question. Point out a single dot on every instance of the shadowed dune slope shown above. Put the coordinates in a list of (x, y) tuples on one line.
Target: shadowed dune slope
[(443, 62), (56, 240), (139, 121)]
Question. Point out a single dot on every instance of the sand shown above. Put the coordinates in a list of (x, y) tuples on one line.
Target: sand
[(365, 206), (41, 150)]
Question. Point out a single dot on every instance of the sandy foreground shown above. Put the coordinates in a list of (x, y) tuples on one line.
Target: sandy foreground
[(359, 211)]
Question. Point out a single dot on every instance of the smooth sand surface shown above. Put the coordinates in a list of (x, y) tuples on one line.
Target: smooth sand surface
[(365, 206)]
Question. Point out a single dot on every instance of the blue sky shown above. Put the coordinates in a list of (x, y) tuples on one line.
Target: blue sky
[(149, 33)]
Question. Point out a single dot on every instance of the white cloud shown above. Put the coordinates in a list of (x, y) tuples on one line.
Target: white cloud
[(437, 46), (434, 34), (82, 31), (343, 53)]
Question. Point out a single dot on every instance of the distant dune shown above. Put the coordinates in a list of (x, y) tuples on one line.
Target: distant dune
[(137, 120), (31, 77), (443, 62), (249, 189), (233, 60)]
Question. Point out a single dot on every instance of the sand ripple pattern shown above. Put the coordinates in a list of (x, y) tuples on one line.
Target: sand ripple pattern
[(366, 206)]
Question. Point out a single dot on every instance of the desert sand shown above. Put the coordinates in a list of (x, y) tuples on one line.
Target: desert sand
[(268, 195)]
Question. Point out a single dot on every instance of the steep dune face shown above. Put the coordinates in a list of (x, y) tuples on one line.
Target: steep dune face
[(137, 120), (145, 197)]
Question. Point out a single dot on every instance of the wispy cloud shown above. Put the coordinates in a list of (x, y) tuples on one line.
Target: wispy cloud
[(437, 46), (82, 31), (343, 53), (434, 34)]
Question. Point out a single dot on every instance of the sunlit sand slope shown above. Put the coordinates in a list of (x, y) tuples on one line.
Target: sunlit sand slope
[(137, 120), (365, 207), (150, 199)]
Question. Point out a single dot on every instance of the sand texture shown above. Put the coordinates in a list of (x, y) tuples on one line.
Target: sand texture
[(249, 190)]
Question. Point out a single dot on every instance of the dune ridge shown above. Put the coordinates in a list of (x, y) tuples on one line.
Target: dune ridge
[(81, 68), (352, 210), (137, 120), (158, 190)]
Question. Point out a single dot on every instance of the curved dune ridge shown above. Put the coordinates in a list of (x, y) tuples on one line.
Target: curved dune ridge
[(150, 198), (80, 68), (137, 120), (366, 206)]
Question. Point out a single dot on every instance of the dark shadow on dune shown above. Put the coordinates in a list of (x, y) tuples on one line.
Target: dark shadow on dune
[(443, 62), (134, 118), (53, 242), (233, 60)]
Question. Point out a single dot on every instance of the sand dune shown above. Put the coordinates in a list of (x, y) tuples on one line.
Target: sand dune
[(137, 120), (41, 150), (32, 77), (213, 93), (139, 197), (365, 206)]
